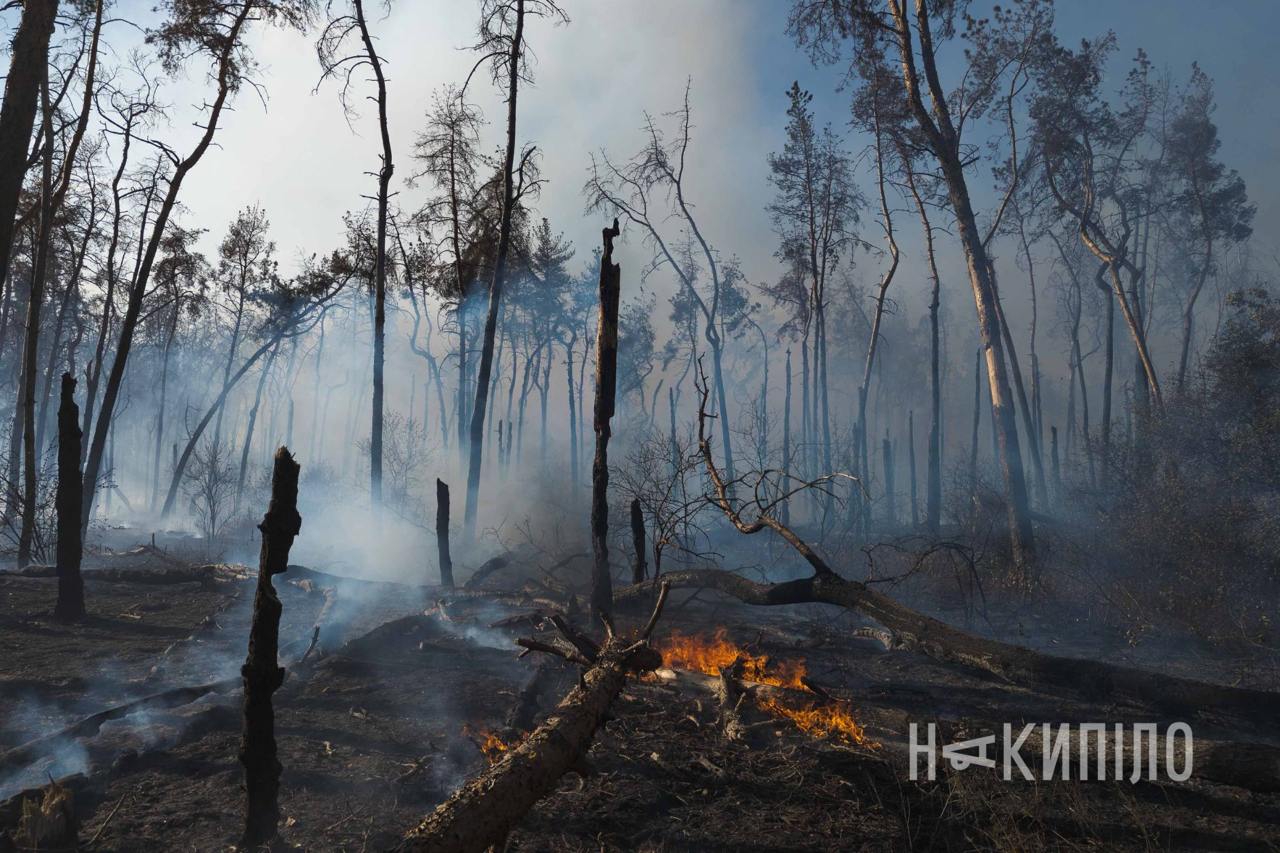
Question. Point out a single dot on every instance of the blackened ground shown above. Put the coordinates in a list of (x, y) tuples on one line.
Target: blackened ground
[(387, 724)]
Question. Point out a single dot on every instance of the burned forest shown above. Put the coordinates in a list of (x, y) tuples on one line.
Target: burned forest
[(719, 425)]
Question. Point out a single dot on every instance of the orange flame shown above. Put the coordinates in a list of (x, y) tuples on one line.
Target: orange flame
[(834, 720), (488, 743), (710, 656)]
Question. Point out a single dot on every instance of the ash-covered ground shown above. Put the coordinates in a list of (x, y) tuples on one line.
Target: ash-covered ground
[(396, 700)]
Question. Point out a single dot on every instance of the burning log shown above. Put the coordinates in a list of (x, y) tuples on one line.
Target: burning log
[(917, 632), (261, 672), (606, 389), (442, 532), (51, 824), (482, 813), (70, 606)]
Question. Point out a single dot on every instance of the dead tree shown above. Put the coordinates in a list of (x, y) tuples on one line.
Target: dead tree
[(914, 631), (606, 387), (70, 604), (261, 671), (442, 532), (480, 814), (637, 537)]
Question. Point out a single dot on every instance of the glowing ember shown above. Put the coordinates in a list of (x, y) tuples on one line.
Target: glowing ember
[(833, 720)]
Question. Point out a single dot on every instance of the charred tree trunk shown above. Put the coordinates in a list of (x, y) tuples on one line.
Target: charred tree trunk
[(495, 288), (637, 537), (890, 497), (911, 468), (380, 269), (31, 344), (442, 533), (977, 423), (70, 606), (261, 671), (28, 61), (480, 814), (606, 389), (785, 510), (1057, 466)]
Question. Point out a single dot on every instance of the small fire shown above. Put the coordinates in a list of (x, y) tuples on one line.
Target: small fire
[(710, 656), (833, 720), (488, 742)]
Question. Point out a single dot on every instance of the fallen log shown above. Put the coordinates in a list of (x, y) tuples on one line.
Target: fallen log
[(482, 813), (914, 631), (1251, 766), (217, 573), (488, 567), (910, 629), (31, 750)]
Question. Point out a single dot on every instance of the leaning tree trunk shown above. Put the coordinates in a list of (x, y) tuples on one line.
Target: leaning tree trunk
[(226, 80), (253, 420), (180, 466), (70, 604), (495, 288), (261, 672), (606, 389)]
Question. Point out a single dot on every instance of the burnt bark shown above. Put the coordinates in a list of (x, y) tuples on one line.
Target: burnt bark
[(606, 388), (638, 570), (481, 813), (70, 604), (28, 60), (261, 672), (442, 532)]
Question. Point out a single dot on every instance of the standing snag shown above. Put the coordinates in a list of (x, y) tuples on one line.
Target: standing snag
[(442, 532), (70, 604), (606, 388), (261, 671)]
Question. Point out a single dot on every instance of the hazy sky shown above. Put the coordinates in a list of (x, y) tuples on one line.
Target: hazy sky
[(595, 76)]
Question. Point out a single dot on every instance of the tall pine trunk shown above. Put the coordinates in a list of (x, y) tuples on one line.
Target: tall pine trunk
[(495, 287)]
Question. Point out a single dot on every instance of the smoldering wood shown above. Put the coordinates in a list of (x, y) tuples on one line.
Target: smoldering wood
[(606, 390), (480, 814), (70, 605), (262, 673)]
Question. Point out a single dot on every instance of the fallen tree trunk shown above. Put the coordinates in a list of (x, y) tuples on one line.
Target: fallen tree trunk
[(481, 813), (26, 753), (1251, 766), (156, 577), (910, 629), (914, 631)]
